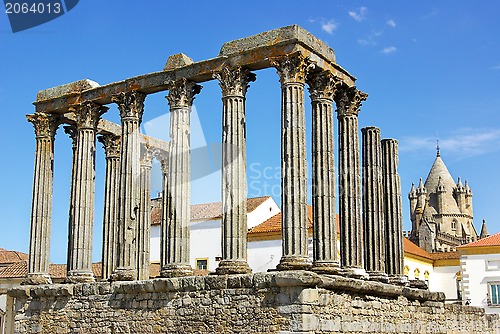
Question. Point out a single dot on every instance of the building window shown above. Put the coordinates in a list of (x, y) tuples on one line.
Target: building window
[(416, 273), (494, 294), (202, 264), (454, 224), (492, 265), (406, 270)]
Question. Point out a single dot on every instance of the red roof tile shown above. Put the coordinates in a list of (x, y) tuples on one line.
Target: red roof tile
[(411, 248), (445, 255), (492, 240), (8, 256), (206, 211), (57, 271)]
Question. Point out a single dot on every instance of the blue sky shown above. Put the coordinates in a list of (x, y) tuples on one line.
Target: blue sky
[(431, 69)]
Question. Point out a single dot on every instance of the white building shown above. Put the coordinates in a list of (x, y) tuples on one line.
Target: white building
[(206, 229)]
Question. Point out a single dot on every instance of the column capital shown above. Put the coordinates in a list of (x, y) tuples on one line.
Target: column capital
[(45, 124), (234, 81), (111, 145), (147, 154), (292, 68), (130, 104), (87, 115), (162, 157), (348, 100), (181, 93), (323, 85)]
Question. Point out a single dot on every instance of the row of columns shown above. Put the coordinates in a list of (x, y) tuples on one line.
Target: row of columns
[(126, 213)]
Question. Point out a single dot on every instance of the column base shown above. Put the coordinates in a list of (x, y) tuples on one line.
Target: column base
[(398, 280), (418, 284), (354, 272), (124, 274), (37, 279), (378, 276), (228, 267), (326, 267), (176, 270), (80, 277), (294, 263)]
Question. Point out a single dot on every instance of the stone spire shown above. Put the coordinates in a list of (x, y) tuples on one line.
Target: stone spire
[(484, 230)]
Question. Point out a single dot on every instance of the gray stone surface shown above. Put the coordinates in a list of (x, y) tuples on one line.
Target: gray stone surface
[(322, 86), (279, 302), (81, 214), (180, 98), (176, 61), (373, 204), (393, 208), (292, 71), (111, 145), (70, 88), (144, 225), (131, 107), (41, 213), (234, 83), (348, 100)]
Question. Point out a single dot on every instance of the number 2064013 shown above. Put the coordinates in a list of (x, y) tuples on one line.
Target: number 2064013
[(32, 8)]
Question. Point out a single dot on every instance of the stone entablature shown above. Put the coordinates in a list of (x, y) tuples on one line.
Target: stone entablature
[(278, 302)]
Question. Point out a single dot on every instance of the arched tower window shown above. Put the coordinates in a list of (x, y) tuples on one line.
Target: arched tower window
[(416, 273), (454, 224), (406, 270)]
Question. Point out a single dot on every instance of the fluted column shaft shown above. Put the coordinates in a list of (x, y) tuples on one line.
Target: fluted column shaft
[(348, 100), (322, 87), (144, 226), (111, 144), (41, 210), (234, 84), (180, 98), (373, 204), (292, 71), (393, 208), (164, 212), (131, 106), (82, 196)]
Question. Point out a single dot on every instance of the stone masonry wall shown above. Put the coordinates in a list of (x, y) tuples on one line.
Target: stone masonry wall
[(279, 302)]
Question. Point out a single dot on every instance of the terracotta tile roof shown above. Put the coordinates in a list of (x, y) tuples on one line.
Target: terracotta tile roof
[(445, 256), (273, 224), (206, 211), (411, 248), (57, 271), (8, 256), (492, 240)]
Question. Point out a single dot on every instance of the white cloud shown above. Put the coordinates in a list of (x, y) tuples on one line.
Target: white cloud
[(389, 49), (466, 142), (329, 26), (360, 14), (370, 39), (391, 23)]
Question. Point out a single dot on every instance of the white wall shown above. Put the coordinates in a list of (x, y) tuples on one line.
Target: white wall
[(154, 246), (475, 279), (206, 242), (262, 213), (264, 255), (422, 266), (445, 279)]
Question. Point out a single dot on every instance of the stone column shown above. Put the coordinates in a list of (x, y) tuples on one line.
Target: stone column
[(322, 87), (180, 98), (41, 210), (348, 101), (144, 226), (82, 196), (131, 106), (373, 205), (111, 144), (71, 131), (234, 84), (393, 212), (164, 211), (292, 71)]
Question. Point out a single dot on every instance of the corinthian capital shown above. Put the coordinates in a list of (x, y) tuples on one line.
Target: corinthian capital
[(87, 114), (234, 80), (147, 154), (348, 100), (322, 85), (45, 124), (111, 145), (292, 68), (130, 104), (181, 93)]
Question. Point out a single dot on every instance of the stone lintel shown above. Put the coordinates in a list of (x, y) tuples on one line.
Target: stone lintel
[(176, 61), (251, 57), (107, 127), (66, 89)]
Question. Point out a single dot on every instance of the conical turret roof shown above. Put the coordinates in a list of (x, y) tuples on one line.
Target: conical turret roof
[(484, 231), (440, 176)]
